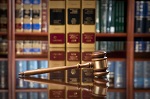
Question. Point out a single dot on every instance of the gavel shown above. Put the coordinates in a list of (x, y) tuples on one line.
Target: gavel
[(97, 89), (98, 63)]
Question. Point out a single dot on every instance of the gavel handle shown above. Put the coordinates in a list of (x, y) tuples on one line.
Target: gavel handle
[(48, 70)]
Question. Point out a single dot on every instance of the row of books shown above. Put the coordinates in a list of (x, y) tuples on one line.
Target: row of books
[(116, 95), (32, 95), (110, 16), (117, 74), (142, 17), (24, 65), (3, 16), (110, 46), (3, 46), (141, 46), (31, 15), (142, 95), (4, 95), (142, 74), (3, 74), (31, 47)]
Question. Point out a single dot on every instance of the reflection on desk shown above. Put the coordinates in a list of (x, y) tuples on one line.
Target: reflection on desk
[(62, 90)]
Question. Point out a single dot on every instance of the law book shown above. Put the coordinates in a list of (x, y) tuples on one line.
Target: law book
[(146, 72), (120, 74), (3, 17), (57, 59), (120, 95), (3, 74), (3, 46), (147, 15), (85, 94), (44, 24), (32, 95), (19, 47), (57, 92), (147, 95), (73, 23), (139, 45), (44, 47), (32, 65), (36, 16), (139, 95), (103, 15), (147, 49), (73, 93), (86, 73), (36, 47), (110, 28), (21, 95), (43, 95), (57, 23), (27, 47), (27, 15), (110, 95), (98, 18), (21, 66), (139, 17), (88, 27), (4, 95), (43, 64), (111, 75), (138, 74), (116, 17), (72, 58), (18, 16)]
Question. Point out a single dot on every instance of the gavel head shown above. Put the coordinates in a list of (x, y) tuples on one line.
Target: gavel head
[(99, 61)]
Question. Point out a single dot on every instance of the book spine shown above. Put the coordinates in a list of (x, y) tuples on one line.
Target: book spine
[(44, 26), (139, 95), (57, 92), (123, 4), (147, 49), (147, 22), (27, 47), (146, 72), (104, 12), (138, 74), (85, 94), (3, 17), (3, 46), (57, 23), (36, 47), (27, 16), (73, 20), (3, 74), (120, 74), (70, 93), (36, 16), (57, 59), (21, 66), (21, 95), (98, 25), (72, 58), (116, 17), (43, 64), (43, 95), (44, 47), (88, 24), (32, 65), (19, 16), (19, 47), (32, 95), (120, 95), (146, 95), (139, 17), (111, 75)]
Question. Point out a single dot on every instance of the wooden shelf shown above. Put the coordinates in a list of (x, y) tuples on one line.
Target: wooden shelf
[(116, 54), (116, 90), (116, 59), (3, 34), (31, 36), (3, 90), (142, 55), (142, 35), (32, 56), (142, 90), (32, 90), (2, 59)]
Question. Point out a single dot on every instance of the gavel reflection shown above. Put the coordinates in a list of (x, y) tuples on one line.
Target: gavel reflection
[(98, 63), (98, 89)]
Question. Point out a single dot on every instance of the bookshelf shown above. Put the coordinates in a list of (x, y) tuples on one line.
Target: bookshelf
[(128, 55)]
